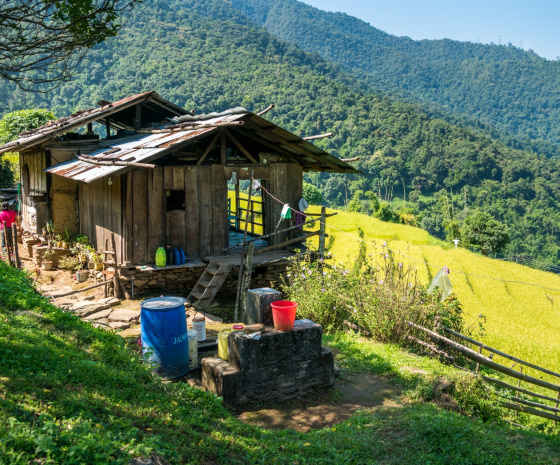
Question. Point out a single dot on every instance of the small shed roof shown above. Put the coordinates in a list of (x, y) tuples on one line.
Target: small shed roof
[(120, 114)]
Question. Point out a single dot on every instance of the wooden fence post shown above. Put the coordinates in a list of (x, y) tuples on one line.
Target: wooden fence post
[(15, 246), (246, 280), (7, 244), (322, 233), (557, 402)]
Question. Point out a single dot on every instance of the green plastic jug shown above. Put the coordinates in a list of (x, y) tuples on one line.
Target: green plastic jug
[(161, 257)]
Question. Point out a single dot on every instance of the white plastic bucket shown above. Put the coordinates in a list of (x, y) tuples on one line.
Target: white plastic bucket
[(199, 325), (193, 349)]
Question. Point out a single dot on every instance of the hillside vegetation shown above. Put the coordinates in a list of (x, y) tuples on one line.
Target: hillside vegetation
[(208, 56), (519, 319), (71, 393), (513, 90)]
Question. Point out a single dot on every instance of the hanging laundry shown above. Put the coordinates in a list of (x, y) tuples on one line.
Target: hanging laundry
[(442, 281), (286, 212), (256, 184)]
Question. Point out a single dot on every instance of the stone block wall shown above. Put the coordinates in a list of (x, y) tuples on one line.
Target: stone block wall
[(183, 279), (281, 365)]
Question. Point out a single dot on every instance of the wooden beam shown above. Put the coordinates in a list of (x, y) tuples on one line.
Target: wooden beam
[(208, 149), (266, 110), (138, 119), (295, 146), (270, 145), (240, 147), (288, 242), (319, 136), (223, 147), (113, 162)]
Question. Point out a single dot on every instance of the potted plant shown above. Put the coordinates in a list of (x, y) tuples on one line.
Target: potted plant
[(50, 232), (97, 260), (66, 241), (58, 240), (47, 264)]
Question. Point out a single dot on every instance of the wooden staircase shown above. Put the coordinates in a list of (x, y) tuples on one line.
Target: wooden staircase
[(209, 284)]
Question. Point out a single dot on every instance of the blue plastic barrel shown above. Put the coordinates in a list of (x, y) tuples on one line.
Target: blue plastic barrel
[(165, 341)]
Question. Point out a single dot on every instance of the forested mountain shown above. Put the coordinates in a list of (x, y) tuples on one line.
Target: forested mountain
[(514, 90), (206, 55)]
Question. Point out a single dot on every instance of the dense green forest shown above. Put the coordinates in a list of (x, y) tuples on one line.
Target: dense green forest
[(208, 56), (515, 91)]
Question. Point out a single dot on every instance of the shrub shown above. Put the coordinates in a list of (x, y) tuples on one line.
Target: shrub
[(379, 299), (69, 263)]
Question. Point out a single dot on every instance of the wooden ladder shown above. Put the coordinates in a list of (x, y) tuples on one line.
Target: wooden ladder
[(209, 284)]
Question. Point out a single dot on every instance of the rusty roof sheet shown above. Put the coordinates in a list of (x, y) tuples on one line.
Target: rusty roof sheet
[(60, 126), (147, 148)]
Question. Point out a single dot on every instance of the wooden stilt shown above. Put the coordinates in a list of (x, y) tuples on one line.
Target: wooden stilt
[(246, 281), (322, 233)]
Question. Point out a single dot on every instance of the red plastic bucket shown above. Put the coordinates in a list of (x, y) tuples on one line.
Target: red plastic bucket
[(284, 314)]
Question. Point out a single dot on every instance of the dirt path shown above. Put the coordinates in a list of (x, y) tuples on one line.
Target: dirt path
[(350, 392)]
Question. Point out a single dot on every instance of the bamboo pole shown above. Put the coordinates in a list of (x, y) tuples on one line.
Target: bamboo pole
[(500, 353), (266, 110), (432, 347), (535, 404), (515, 388), (113, 162), (243, 249), (288, 242), (247, 280), (532, 411), (319, 136), (469, 353), (77, 291)]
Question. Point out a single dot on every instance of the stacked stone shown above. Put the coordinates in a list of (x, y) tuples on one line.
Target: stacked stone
[(29, 242), (184, 279), (39, 252), (175, 279), (279, 366)]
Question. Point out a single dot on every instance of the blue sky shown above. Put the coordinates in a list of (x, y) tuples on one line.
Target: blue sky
[(528, 24)]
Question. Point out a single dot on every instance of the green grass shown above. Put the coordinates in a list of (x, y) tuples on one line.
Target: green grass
[(520, 320), (70, 393)]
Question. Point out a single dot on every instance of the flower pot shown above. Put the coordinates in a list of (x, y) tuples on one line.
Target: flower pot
[(82, 276), (65, 245), (98, 267), (50, 244), (47, 265), (59, 244)]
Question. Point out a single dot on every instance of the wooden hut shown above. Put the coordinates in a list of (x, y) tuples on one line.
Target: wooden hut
[(151, 174)]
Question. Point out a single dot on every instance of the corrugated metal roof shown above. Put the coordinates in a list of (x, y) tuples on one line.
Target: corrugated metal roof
[(150, 147), (53, 128)]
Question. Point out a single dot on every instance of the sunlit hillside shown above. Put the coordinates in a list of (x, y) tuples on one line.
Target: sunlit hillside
[(521, 319)]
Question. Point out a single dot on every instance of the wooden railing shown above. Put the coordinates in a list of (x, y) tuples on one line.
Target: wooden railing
[(517, 403)]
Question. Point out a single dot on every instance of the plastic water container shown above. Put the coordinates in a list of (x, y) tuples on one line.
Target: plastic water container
[(177, 257), (183, 256), (284, 314), (164, 336), (193, 349), (222, 343), (161, 257)]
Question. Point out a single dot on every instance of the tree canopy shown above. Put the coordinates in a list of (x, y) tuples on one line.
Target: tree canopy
[(44, 41), (484, 233)]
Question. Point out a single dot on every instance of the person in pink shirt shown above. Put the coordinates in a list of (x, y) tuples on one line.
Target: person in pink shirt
[(9, 217)]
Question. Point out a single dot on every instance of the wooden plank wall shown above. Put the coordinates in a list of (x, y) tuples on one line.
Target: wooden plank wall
[(286, 184), (100, 207), (134, 208), (200, 229), (34, 214)]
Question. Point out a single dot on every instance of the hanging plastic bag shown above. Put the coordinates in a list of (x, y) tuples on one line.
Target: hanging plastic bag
[(442, 281)]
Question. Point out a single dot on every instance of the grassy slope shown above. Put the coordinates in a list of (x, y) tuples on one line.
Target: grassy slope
[(521, 320), (70, 393)]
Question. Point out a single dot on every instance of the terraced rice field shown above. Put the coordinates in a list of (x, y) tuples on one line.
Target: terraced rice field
[(522, 320)]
